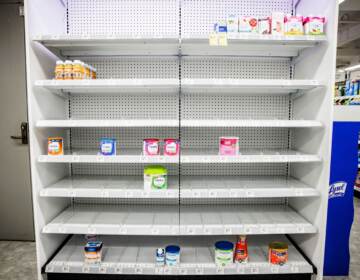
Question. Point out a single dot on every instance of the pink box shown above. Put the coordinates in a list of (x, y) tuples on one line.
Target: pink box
[(229, 146), (171, 147), (151, 147)]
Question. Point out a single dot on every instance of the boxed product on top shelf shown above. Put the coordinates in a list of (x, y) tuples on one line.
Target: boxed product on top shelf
[(74, 70), (276, 24)]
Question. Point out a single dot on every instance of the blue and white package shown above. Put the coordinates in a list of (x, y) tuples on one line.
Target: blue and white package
[(356, 88), (348, 88), (160, 256), (108, 146)]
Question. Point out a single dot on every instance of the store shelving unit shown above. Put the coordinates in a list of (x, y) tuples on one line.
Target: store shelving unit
[(158, 77)]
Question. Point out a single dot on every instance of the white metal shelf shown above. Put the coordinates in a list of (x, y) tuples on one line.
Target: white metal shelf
[(187, 156), (249, 123), (246, 156), (136, 255), (123, 156), (164, 220), (109, 123), (191, 187), (249, 86), (175, 123), (115, 86), (251, 45), (238, 44), (77, 45)]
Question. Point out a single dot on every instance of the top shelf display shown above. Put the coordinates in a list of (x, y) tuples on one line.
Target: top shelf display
[(238, 45)]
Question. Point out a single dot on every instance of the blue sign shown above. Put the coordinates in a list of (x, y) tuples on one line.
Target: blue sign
[(337, 189)]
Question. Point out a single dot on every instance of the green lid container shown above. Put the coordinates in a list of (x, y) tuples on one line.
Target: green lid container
[(155, 170)]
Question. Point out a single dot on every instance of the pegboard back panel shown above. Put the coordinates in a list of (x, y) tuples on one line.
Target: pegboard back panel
[(249, 138), (130, 138), (202, 106), (129, 169), (235, 68), (199, 16), (130, 67), (125, 18), (125, 106), (237, 169)]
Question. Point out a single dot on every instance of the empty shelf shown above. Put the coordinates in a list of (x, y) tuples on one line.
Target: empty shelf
[(109, 123), (164, 220), (246, 156), (248, 86), (195, 187), (117, 86), (75, 45), (136, 255)]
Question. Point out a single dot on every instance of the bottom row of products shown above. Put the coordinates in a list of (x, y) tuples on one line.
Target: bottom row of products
[(226, 253)]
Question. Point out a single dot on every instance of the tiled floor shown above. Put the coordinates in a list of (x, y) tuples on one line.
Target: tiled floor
[(17, 259)]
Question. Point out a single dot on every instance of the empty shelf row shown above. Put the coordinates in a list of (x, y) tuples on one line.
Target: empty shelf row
[(187, 156), (136, 255), (238, 45), (179, 220), (191, 187), (176, 123), (218, 86)]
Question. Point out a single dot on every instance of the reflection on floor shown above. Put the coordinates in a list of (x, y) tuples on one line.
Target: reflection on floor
[(18, 262)]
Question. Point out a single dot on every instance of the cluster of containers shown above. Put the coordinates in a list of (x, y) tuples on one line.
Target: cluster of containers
[(276, 24), (226, 253), (74, 70)]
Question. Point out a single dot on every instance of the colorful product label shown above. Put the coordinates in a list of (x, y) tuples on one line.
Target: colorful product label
[(294, 25), (108, 147), (151, 147), (55, 146), (172, 147), (223, 257), (241, 251), (229, 146), (278, 256), (314, 25)]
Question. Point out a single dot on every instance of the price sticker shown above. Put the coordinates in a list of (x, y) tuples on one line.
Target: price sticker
[(254, 270), (155, 231), (119, 270), (220, 270), (103, 269), (199, 271), (248, 230), (183, 271), (138, 270), (274, 269), (86, 269), (228, 230)]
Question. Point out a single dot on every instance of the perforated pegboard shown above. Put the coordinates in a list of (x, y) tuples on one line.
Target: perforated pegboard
[(234, 68), (202, 106), (130, 67), (199, 16), (249, 138), (239, 169), (126, 18), (130, 169), (125, 106)]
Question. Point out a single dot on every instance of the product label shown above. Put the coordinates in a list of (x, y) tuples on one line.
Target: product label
[(279, 257), (54, 147), (172, 259), (338, 189), (159, 182), (171, 148), (223, 257), (106, 148)]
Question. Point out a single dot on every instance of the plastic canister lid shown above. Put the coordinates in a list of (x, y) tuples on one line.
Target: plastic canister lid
[(172, 249), (224, 245), (155, 169)]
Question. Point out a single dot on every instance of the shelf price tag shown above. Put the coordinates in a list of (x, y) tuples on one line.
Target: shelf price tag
[(228, 230), (207, 230), (85, 269), (103, 268), (65, 268), (220, 270), (183, 271), (105, 194), (159, 270), (254, 270), (72, 193), (248, 230), (139, 270), (199, 271), (190, 230), (119, 269), (274, 269)]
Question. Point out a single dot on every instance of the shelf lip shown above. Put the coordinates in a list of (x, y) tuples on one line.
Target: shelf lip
[(108, 123), (194, 220), (187, 156), (140, 258), (185, 123), (197, 187)]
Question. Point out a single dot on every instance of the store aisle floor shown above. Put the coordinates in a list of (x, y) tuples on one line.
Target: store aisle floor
[(18, 260)]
